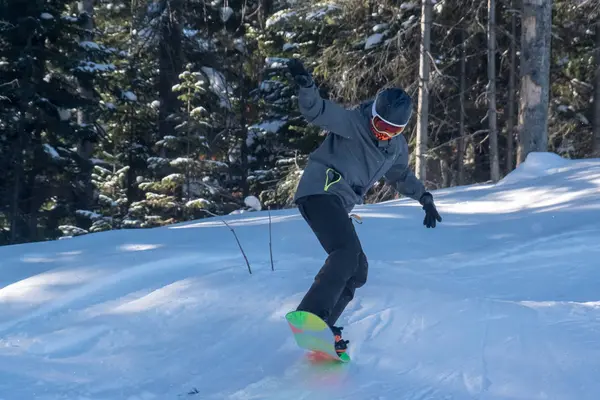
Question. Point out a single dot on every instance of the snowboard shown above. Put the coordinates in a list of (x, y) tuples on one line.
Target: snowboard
[(313, 334)]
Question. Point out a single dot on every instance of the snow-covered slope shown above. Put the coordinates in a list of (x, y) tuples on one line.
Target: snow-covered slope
[(500, 301)]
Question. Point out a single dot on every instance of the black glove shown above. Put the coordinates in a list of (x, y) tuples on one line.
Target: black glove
[(299, 73), (431, 213), (296, 67)]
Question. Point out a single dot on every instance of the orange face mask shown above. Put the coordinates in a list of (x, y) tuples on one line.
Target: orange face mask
[(383, 129)]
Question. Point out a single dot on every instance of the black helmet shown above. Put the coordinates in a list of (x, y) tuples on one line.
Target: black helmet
[(393, 105)]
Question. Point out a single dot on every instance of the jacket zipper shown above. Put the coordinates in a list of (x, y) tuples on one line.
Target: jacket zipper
[(372, 180)]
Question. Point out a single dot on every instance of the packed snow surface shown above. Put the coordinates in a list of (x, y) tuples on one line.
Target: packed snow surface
[(499, 301)]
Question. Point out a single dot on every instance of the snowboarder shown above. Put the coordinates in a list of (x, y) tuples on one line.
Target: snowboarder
[(363, 144)]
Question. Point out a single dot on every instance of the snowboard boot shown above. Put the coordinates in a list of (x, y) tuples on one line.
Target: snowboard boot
[(340, 344)]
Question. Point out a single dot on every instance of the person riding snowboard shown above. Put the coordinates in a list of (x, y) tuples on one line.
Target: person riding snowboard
[(363, 145)]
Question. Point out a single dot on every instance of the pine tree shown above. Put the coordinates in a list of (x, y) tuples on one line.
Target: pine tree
[(44, 179)]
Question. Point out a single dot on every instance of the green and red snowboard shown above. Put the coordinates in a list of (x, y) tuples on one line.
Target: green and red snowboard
[(313, 334)]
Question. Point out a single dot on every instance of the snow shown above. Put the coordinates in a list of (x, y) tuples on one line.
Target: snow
[(225, 13), (88, 214), (154, 8), (373, 40), (107, 201), (408, 6), (69, 18), (99, 161), (90, 66), (215, 163), (175, 177), (259, 130), (207, 44), (290, 46), (270, 125), (199, 111), (108, 105), (46, 16), (240, 45), (380, 27), (500, 301), (181, 162), (64, 114), (86, 44), (279, 17), (51, 151), (322, 10), (317, 11), (190, 32), (166, 140), (253, 202), (410, 22), (276, 62), (198, 203), (129, 95), (219, 86)]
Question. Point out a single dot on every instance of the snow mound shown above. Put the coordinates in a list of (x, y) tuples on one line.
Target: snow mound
[(536, 165)]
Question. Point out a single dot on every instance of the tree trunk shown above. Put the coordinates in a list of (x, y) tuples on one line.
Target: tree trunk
[(423, 104), (189, 133), (130, 185), (35, 191), (596, 142), (460, 154), (445, 171), (85, 147), (15, 216), (510, 127), (244, 103), (265, 10), (535, 71), (170, 59), (493, 126)]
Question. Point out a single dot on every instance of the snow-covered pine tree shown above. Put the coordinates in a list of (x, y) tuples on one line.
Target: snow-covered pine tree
[(39, 55), (131, 107), (183, 180), (280, 140)]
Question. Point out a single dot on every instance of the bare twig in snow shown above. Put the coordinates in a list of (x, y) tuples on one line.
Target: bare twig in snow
[(236, 238), (270, 240)]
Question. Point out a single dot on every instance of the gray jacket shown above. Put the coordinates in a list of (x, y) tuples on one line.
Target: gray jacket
[(350, 160)]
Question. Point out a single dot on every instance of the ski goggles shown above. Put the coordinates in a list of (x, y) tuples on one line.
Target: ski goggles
[(384, 127)]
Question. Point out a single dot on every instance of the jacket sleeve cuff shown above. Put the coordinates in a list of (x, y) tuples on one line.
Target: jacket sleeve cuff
[(426, 198), (304, 81)]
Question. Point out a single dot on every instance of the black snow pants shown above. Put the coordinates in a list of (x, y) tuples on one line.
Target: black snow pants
[(345, 268)]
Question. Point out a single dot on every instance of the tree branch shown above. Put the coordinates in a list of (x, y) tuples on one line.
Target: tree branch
[(479, 132)]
